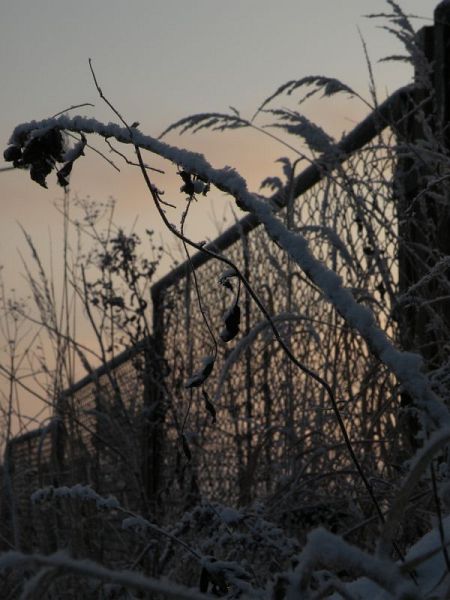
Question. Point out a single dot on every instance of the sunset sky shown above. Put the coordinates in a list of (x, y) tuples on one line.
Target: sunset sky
[(160, 60)]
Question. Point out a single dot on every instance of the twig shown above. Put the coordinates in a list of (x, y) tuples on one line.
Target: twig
[(108, 160), (130, 162), (61, 112)]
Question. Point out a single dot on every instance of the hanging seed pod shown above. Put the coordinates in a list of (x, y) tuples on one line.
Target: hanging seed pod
[(232, 319), (210, 407), (202, 375)]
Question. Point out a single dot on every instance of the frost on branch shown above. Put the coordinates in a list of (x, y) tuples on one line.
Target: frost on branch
[(331, 552), (78, 491)]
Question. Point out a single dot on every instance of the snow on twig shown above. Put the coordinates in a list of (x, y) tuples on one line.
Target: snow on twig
[(331, 551), (438, 440), (60, 560)]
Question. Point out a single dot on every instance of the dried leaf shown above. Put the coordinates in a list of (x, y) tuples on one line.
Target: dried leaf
[(201, 376), (71, 156), (39, 171), (188, 187), (232, 320), (64, 173), (233, 317), (49, 145), (210, 407), (12, 154)]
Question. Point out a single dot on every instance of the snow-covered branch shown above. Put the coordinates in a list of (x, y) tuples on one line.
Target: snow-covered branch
[(88, 568), (332, 552)]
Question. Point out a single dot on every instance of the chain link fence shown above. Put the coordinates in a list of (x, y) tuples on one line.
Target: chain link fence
[(259, 427)]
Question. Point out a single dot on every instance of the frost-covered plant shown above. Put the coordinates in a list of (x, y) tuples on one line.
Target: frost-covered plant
[(104, 286)]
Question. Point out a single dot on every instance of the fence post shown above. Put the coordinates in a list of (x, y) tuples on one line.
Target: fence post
[(422, 192), (442, 66), (10, 497), (154, 411), (58, 434)]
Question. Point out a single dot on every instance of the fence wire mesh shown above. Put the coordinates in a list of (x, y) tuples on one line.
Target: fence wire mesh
[(273, 421), (275, 434)]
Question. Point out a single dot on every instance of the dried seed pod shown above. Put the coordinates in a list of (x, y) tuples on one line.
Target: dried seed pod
[(202, 375), (210, 407), (232, 319)]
